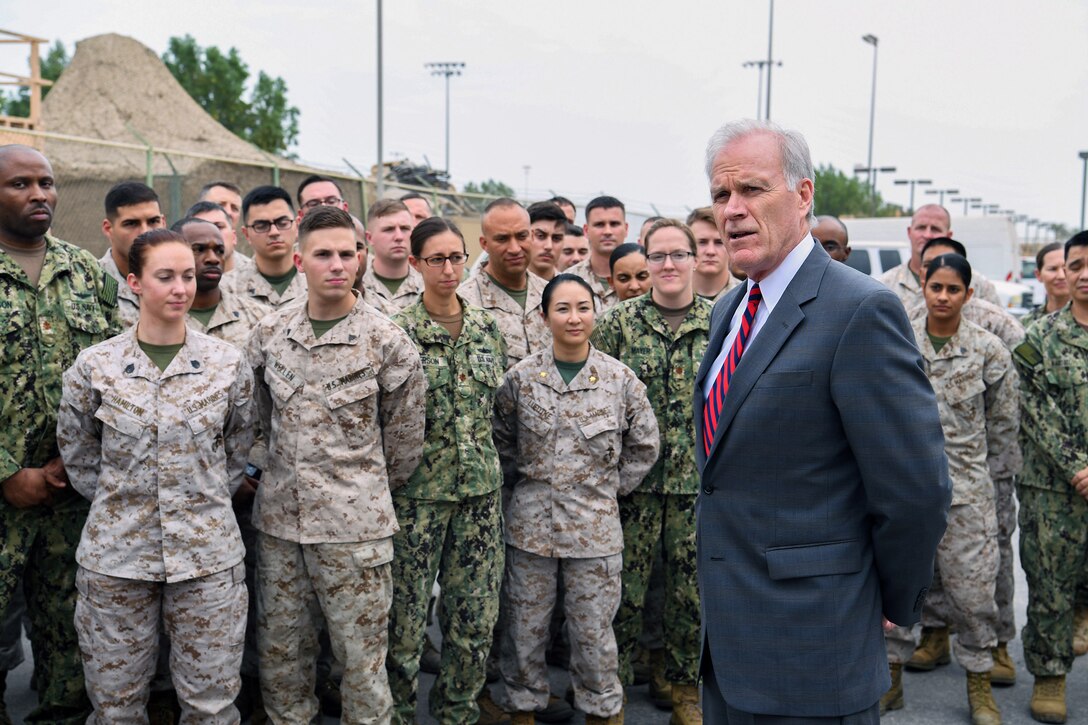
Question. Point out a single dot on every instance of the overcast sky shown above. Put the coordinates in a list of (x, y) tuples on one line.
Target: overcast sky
[(620, 97)]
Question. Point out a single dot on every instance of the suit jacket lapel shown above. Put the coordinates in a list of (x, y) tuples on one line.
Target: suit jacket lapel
[(772, 336)]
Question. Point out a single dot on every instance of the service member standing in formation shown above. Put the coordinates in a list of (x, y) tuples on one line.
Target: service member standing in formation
[(630, 273), (55, 300), (574, 430), (449, 512), (341, 391), (1053, 365), (154, 427), (1050, 271), (662, 337), (977, 396), (132, 208)]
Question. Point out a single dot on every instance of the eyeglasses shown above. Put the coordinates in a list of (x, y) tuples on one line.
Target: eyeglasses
[(439, 261), (328, 201), (677, 257), (263, 226)]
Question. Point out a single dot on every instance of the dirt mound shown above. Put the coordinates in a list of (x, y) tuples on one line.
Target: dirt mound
[(116, 85)]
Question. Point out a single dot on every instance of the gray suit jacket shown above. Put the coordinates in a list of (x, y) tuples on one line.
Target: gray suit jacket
[(823, 499)]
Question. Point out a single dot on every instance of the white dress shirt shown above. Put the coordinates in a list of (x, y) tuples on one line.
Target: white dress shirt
[(772, 287)]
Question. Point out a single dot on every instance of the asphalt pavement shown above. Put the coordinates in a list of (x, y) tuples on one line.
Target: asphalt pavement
[(932, 698)]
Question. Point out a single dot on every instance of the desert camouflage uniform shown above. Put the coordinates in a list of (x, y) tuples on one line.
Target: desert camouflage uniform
[(1005, 464), (977, 396), (231, 322), (605, 295), (662, 509), (450, 518), (409, 292), (569, 451), (241, 262), (128, 302), (344, 418), (73, 307), (1053, 364), (524, 330), (729, 285), (253, 292), (158, 454), (901, 280)]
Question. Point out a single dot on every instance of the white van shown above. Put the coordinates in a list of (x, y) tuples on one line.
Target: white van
[(876, 258)]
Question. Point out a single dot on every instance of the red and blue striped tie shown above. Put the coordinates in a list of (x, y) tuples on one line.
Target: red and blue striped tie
[(716, 399)]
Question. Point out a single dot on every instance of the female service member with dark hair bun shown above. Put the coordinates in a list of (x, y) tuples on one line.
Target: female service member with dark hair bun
[(574, 430), (154, 427)]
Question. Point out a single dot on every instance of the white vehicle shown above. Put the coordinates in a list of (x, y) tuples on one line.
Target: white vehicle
[(876, 258)]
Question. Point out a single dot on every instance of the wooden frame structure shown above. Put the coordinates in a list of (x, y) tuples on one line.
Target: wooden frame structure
[(34, 81)]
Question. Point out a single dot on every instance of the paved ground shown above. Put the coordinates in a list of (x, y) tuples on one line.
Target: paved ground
[(934, 698)]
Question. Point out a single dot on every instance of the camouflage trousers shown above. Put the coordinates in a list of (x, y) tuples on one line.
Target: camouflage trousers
[(964, 578), (1005, 589), (650, 518), (352, 586), (461, 542), (11, 632), (1054, 554), (118, 621), (37, 552), (590, 602)]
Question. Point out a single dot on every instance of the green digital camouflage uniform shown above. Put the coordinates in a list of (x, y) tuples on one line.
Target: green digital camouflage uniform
[(450, 518), (73, 307), (662, 508), (1053, 365)]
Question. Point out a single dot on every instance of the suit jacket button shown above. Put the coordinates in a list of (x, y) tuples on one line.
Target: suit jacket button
[(708, 490)]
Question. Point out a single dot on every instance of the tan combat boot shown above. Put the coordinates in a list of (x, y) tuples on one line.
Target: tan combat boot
[(980, 698), (491, 713), (893, 698), (685, 705), (932, 651), (1080, 631), (660, 687), (1003, 673), (616, 719), (1048, 698)]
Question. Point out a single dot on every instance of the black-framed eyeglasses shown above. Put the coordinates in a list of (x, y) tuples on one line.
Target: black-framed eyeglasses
[(676, 257), (439, 261), (327, 201), (263, 226)]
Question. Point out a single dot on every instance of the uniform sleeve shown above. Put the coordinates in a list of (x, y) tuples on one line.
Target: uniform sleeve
[(1051, 429), (238, 433), (1002, 400), (79, 435), (402, 409), (641, 438), (260, 418), (107, 295), (605, 334), (504, 428)]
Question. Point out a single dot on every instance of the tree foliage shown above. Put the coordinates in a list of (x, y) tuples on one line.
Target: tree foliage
[(489, 187), (17, 103), (217, 81), (845, 196)]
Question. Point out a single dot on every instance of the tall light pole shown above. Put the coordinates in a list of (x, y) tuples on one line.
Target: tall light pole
[(872, 171), (1083, 185), (966, 201), (912, 182), (770, 60), (447, 70), (381, 160), (759, 94), (873, 41), (942, 192), (526, 168)]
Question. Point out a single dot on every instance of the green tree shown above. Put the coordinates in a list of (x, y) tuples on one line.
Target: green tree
[(217, 81), (489, 187), (841, 195), (17, 103)]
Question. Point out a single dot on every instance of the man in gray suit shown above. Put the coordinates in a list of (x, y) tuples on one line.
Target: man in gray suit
[(824, 480)]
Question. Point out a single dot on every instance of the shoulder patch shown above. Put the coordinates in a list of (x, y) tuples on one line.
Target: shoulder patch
[(1026, 352), (108, 293)]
